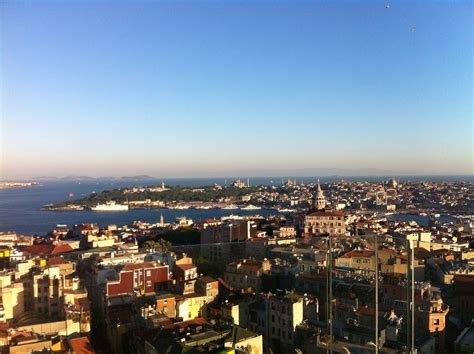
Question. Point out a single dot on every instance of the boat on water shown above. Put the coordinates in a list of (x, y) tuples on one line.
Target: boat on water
[(250, 207), (178, 207), (230, 207), (437, 215), (286, 210), (110, 206)]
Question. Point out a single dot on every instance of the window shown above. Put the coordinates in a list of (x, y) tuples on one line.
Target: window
[(436, 321), (148, 273)]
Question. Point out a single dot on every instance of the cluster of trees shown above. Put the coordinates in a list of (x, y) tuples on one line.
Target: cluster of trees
[(185, 194), (178, 237), (160, 246)]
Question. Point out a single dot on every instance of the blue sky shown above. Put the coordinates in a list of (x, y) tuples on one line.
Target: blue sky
[(203, 88)]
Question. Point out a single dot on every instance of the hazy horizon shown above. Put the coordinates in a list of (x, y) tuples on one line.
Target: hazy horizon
[(312, 173), (216, 88)]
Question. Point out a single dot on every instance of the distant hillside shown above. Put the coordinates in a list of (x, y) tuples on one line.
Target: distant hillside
[(43, 178), (88, 178), (76, 178), (140, 177)]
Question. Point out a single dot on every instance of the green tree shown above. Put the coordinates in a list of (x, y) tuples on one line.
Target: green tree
[(160, 245)]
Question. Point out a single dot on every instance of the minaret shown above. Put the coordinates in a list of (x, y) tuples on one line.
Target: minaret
[(162, 220), (162, 185), (320, 199)]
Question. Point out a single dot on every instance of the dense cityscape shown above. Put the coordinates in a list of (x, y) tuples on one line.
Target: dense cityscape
[(341, 266), (236, 177)]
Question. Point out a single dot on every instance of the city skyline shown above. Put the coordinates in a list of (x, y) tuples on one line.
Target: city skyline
[(194, 89)]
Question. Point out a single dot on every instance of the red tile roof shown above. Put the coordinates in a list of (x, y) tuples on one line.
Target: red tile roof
[(57, 261), (135, 266), (357, 253), (48, 249), (81, 345), (327, 213), (185, 266), (207, 279), (62, 249), (253, 267)]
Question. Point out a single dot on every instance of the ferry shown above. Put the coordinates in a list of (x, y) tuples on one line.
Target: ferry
[(250, 207), (286, 210), (180, 207), (230, 207), (110, 206)]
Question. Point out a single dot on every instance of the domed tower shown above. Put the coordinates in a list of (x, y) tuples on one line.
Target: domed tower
[(319, 203)]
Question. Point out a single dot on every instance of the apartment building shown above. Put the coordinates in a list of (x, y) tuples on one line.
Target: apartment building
[(11, 297), (246, 273), (137, 278), (325, 223)]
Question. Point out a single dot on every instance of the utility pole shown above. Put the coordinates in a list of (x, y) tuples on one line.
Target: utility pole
[(329, 292), (376, 246), (410, 299)]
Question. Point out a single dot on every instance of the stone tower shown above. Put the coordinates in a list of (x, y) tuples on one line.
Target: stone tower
[(319, 203)]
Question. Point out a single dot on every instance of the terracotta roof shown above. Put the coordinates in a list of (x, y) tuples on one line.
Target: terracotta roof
[(327, 213), (185, 266), (47, 249), (253, 267), (135, 266), (207, 279), (196, 321), (357, 253), (62, 249), (81, 345), (57, 261)]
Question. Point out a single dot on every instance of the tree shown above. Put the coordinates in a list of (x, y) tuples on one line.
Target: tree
[(161, 245)]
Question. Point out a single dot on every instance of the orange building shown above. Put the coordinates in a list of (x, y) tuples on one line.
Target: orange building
[(166, 304)]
